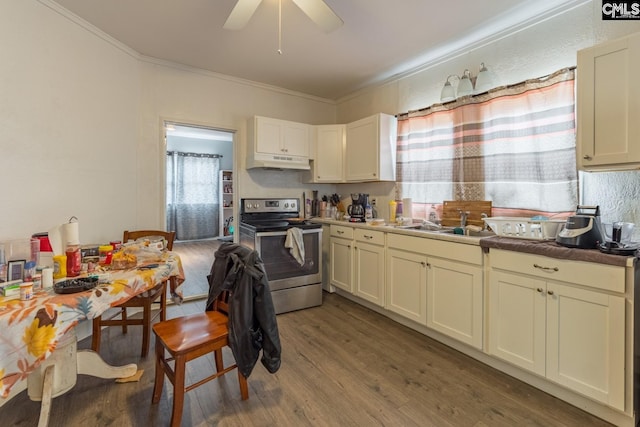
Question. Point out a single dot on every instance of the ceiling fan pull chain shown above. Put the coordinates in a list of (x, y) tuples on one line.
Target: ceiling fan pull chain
[(280, 27)]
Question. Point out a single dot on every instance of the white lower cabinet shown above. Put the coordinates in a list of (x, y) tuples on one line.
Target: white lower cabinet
[(444, 294), (407, 284), (341, 253), (454, 300), (369, 268), (569, 334)]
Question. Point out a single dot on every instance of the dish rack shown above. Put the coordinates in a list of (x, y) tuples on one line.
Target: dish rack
[(524, 228)]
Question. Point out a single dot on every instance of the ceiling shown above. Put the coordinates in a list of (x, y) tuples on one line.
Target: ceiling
[(379, 39)]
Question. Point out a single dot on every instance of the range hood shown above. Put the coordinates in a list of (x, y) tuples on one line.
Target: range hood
[(274, 161)]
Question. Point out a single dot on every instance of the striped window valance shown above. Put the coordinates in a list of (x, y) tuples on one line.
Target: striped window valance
[(513, 145)]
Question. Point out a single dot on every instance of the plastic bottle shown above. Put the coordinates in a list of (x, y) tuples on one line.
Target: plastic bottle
[(106, 252), (433, 214), (74, 260), (392, 211), (59, 266), (368, 211)]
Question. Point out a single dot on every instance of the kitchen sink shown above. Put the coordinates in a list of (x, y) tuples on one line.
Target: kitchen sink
[(483, 233), (445, 230), (440, 231)]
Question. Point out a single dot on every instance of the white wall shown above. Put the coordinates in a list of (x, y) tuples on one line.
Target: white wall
[(69, 106), (81, 125), (531, 52)]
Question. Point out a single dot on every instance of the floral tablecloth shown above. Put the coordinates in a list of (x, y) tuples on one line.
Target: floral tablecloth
[(30, 330)]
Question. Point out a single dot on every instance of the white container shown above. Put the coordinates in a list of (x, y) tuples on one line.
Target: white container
[(524, 228)]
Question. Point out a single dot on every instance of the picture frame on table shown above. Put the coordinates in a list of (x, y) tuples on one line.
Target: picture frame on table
[(15, 270)]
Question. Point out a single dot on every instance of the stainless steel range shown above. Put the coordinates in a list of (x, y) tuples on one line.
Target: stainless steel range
[(264, 225)]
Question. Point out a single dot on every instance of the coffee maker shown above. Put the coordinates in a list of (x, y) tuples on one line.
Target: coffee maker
[(356, 209)]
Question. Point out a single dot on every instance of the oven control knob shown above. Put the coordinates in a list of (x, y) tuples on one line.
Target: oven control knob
[(293, 205), (286, 205)]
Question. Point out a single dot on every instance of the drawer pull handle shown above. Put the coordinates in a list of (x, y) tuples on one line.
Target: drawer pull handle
[(539, 290), (550, 292), (340, 232), (541, 267), (368, 237), (587, 157)]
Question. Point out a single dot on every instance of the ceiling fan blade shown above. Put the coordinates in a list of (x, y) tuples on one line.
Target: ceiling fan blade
[(241, 13), (320, 13)]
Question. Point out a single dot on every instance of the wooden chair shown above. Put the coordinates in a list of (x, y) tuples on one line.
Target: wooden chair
[(153, 296), (187, 338)]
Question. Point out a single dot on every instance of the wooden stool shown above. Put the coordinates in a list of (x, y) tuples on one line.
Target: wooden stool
[(187, 338)]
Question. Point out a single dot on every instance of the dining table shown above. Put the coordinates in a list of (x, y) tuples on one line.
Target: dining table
[(37, 336)]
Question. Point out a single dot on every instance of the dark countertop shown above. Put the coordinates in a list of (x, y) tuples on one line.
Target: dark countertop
[(553, 250)]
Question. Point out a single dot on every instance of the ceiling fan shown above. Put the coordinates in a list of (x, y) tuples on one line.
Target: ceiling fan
[(317, 10)]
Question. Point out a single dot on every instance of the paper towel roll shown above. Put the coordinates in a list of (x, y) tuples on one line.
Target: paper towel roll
[(407, 208), (71, 233), (63, 235)]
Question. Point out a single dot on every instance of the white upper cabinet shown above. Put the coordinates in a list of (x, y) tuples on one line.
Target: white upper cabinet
[(277, 143), (371, 149), (328, 163), (608, 96)]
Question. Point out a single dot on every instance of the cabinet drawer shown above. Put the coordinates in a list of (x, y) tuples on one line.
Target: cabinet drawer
[(453, 251), (368, 236), (600, 276), (342, 231)]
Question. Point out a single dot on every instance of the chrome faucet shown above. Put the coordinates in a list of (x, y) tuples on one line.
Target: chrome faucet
[(463, 217)]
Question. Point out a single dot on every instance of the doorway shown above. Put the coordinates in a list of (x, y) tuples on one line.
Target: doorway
[(199, 172)]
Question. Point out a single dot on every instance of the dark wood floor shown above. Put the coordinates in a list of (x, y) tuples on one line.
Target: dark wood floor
[(342, 365)]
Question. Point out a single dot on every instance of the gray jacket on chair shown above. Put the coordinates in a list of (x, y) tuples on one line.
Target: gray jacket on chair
[(252, 319)]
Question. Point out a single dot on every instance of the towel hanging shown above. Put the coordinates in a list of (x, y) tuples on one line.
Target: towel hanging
[(295, 243)]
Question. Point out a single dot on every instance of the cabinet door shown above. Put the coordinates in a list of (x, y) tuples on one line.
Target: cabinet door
[(369, 272), (341, 264), (608, 107), (407, 284), (328, 163), (454, 300), (362, 150), (517, 307), (268, 135), (295, 139), (585, 342)]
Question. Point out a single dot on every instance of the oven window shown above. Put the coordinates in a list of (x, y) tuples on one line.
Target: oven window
[(280, 264)]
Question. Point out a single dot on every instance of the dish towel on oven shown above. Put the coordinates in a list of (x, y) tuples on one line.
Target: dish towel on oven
[(295, 243)]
